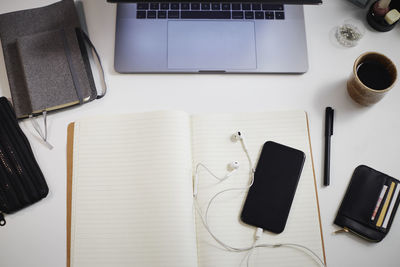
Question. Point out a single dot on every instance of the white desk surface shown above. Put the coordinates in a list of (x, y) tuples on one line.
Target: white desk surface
[(36, 236)]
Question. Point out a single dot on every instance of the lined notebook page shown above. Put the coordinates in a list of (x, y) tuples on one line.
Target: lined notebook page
[(212, 146), (132, 191)]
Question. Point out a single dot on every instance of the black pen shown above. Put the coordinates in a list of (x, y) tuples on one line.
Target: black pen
[(328, 134)]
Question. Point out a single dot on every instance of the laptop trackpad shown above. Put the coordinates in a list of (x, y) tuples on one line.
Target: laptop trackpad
[(211, 45)]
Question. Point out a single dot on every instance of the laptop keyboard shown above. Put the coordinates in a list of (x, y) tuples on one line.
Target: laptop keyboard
[(210, 11)]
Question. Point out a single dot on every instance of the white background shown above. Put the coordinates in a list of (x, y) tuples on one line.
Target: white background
[(36, 236)]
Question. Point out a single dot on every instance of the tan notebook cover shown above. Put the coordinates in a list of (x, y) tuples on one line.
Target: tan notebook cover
[(70, 152), (70, 149)]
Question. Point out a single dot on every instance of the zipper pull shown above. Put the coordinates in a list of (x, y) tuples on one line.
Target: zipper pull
[(2, 220), (343, 230)]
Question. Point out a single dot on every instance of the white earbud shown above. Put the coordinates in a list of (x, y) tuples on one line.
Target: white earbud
[(234, 165), (237, 136)]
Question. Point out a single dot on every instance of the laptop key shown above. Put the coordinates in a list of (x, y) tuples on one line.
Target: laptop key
[(164, 6), (259, 15), (141, 14), (195, 6), (279, 15), (235, 6), (272, 7), (205, 14), (249, 15), (205, 6), (215, 6), (226, 6), (237, 15), (173, 14), (185, 6), (256, 6), (151, 14), (142, 6), (175, 6), (269, 15), (246, 6), (162, 14), (154, 6)]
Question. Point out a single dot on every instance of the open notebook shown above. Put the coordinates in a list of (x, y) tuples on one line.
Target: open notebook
[(130, 190)]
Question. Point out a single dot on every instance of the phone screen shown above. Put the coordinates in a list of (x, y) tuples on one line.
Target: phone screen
[(276, 177)]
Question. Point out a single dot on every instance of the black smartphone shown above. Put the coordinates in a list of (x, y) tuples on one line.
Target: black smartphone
[(276, 177)]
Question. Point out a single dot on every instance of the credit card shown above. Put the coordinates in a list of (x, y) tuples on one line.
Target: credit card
[(392, 203), (385, 205), (378, 203)]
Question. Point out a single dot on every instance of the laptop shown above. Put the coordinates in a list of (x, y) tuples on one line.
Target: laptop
[(211, 37)]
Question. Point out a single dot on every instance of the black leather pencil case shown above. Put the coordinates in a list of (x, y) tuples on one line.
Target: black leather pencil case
[(21, 180), (369, 205)]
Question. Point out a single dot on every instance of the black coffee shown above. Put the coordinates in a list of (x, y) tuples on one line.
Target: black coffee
[(374, 75)]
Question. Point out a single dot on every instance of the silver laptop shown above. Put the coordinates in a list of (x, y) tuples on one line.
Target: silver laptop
[(191, 37)]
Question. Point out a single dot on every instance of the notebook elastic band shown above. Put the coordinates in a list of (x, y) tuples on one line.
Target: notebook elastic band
[(86, 38)]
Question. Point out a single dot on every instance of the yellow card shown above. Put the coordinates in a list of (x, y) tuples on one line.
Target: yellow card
[(385, 206)]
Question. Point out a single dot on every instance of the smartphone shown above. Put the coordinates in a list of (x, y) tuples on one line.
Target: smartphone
[(276, 177)]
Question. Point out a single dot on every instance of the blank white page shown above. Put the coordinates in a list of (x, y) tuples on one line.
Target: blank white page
[(212, 146), (132, 191)]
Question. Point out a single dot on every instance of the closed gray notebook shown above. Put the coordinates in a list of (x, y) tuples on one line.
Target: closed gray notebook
[(47, 65), (46, 61)]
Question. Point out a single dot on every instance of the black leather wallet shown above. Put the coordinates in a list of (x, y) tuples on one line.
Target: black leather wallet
[(369, 205), (21, 180)]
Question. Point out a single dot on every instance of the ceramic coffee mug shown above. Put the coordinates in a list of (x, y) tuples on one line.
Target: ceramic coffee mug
[(373, 76)]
